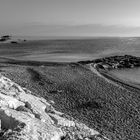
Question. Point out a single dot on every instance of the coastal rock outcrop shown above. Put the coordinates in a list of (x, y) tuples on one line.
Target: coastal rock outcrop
[(114, 62), (24, 116), (118, 62), (4, 38)]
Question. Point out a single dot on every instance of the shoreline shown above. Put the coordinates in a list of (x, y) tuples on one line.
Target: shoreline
[(103, 66), (7, 60), (117, 80), (113, 79), (99, 71)]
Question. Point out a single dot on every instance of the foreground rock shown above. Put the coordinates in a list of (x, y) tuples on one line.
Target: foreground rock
[(27, 117)]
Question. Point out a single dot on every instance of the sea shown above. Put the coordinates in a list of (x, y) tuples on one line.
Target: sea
[(69, 49)]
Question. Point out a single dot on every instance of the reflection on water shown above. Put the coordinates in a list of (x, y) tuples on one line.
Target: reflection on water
[(130, 75)]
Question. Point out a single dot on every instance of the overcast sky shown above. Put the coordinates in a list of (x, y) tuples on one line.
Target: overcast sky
[(70, 17)]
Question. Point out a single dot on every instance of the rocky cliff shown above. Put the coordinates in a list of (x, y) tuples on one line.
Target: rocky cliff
[(27, 117)]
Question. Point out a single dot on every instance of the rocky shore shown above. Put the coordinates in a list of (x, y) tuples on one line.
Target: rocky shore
[(27, 117), (115, 62), (10, 39), (94, 107)]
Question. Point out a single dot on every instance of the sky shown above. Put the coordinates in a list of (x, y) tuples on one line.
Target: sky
[(70, 17)]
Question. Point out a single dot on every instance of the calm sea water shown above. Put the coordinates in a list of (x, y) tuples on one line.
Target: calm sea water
[(129, 75), (70, 49)]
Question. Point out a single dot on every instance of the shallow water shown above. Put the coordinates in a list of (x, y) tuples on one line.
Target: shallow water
[(129, 75)]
